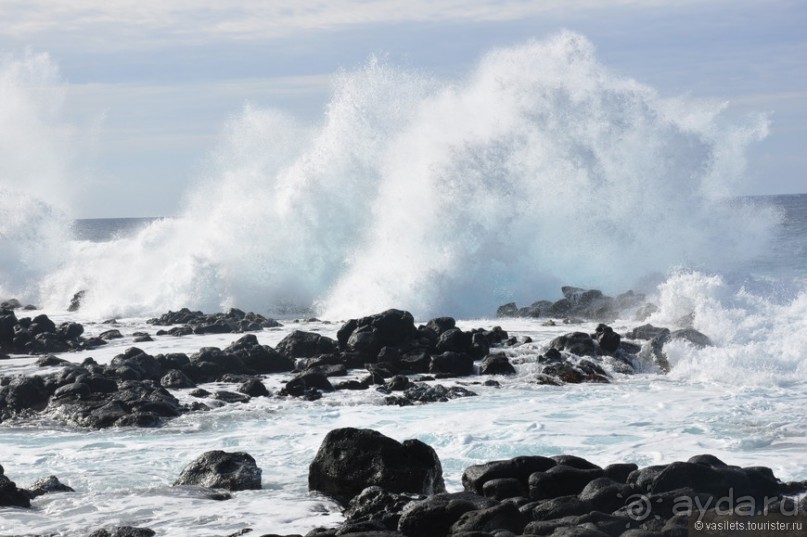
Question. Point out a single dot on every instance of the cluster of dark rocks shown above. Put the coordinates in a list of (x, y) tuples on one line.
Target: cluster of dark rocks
[(398, 357), (389, 489), (211, 476), (15, 304), (578, 303), (392, 349), (234, 321), (40, 335), (133, 388), (578, 357), (14, 496)]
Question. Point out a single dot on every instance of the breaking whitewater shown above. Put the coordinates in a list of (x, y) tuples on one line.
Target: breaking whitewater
[(530, 195)]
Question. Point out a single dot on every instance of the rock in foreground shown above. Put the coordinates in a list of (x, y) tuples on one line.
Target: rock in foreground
[(350, 460)]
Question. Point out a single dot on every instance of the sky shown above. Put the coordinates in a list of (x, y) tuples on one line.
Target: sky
[(150, 84)]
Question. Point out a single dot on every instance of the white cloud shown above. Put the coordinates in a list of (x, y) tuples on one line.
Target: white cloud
[(139, 21)]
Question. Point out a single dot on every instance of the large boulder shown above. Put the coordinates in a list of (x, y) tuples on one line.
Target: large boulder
[(561, 480), (716, 478), (23, 393), (219, 469), (350, 460), (578, 343), (257, 357), (301, 344), (368, 335), (496, 364), (607, 338), (452, 364)]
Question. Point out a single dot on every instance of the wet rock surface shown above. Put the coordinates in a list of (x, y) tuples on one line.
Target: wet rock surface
[(350, 460), (133, 389), (222, 470), (566, 495), (196, 322), (40, 335), (589, 304)]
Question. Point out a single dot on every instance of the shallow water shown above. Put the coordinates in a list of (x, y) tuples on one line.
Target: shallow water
[(123, 476)]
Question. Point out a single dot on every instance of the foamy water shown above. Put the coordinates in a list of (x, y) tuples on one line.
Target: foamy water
[(124, 476), (539, 168)]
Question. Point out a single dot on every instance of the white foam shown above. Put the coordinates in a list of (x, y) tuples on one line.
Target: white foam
[(123, 476), (759, 339), (539, 168)]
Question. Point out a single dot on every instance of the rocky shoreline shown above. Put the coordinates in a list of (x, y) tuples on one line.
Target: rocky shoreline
[(386, 351), (387, 488)]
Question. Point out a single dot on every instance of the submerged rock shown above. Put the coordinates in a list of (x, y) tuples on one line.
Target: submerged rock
[(423, 393), (124, 531), (219, 469), (48, 485)]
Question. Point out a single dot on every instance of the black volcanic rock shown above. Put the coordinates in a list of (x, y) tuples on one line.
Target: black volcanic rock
[(561, 480), (39, 335), (377, 506), (589, 304), (368, 335), (124, 531), (234, 321), (350, 460), (301, 344), (254, 388), (578, 343), (423, 393), (452, 364), (607, 338), (454, 340), (220, 469), (23, 393), (647, 332), (11, 495), (301, 385), (497, 364), (504, 516), (475, 477), (259, 358), (434, 516), (176, 379), (75, 302), (48, 485)]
